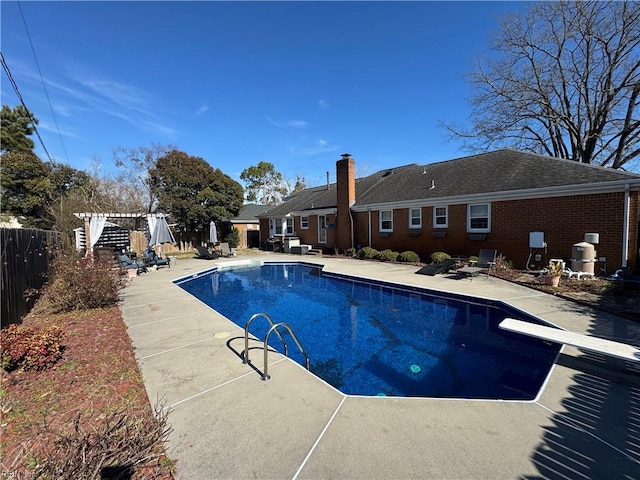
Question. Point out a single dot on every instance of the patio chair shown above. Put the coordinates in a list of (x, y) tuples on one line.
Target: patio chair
[(104, 254), (128, 264), (436, 268), (205, 254), (225, 251), (151, 259), (572, 273), (487, 259)]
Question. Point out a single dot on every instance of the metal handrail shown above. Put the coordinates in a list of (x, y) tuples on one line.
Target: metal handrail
[(245, 354), (265, 375)]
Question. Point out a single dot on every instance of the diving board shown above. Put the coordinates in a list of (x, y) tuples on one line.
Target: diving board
[(555, 335)]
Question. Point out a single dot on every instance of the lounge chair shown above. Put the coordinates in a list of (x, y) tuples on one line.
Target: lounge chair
[(151, 259), (436, 268), (205, 254), (487, 259), (128, 264), (225, 251)]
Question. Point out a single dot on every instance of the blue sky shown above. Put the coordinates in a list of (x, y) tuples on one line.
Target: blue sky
[(292, 83)]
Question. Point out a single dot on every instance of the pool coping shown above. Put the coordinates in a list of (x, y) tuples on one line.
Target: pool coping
[(339, 435)]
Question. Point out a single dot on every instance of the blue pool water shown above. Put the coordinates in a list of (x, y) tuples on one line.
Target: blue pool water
[(368, 338)]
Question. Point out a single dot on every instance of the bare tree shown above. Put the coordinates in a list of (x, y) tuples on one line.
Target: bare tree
[(135, 164), (565, 82)]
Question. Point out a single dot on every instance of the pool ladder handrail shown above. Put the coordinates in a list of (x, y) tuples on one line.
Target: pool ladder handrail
[(245, 354), (273, 328), (265, 375)]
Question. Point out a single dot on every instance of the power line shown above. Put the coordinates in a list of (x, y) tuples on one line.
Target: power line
[(55, 120), (15, 88)]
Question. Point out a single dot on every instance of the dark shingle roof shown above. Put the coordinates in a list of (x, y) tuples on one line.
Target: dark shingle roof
[(499, 171), (308, 199), (249, 213)]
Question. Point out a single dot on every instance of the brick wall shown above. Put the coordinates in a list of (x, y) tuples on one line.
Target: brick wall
[(564, 221)]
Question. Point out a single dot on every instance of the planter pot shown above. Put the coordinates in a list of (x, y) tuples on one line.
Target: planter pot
[(551, 280)]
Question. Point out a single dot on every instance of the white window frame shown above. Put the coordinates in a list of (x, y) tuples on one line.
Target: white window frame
[(382, 220), (288, 229), (322, 229), (277, 226), (412, 218), (436, 216), (471, 217), (304, 222)]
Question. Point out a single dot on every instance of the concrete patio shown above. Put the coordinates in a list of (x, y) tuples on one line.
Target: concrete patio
[(228, 424)]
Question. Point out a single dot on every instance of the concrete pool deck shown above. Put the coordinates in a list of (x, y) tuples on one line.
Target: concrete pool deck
[(228, 424)]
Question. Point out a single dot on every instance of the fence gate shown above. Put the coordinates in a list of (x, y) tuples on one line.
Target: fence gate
[(25, 265)]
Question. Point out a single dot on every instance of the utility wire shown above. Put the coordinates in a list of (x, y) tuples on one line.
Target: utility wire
[(15, 88), (55, 120)]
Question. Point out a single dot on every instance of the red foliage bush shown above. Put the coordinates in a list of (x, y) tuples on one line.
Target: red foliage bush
[(24, 348)]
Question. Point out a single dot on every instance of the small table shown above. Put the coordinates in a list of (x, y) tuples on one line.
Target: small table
[(468, 271)]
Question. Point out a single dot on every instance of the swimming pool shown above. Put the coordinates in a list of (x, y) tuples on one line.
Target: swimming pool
[(371, 338)]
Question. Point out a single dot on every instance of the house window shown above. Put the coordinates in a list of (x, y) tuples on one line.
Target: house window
[(304, 223), (479, 218), (415, 218), (278, 226), (440, 217), (290, 226), (386, 220)]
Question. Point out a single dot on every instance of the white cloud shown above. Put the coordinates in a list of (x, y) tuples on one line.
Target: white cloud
[(289, 123), (323, 103), (202, 109), (298, 123), (311, 149)]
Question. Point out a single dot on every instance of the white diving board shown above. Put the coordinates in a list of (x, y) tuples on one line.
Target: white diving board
[(555, 335)]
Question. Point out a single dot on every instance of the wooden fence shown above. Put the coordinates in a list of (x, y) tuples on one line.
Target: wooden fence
[(25, 260)]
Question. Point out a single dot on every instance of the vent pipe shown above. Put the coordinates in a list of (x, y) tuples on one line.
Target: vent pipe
[(327, 179)]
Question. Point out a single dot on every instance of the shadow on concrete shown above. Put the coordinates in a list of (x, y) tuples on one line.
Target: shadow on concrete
[(597, 433)]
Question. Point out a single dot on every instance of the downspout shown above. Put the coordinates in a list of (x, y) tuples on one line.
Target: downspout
[(352, 234), (625, 227)]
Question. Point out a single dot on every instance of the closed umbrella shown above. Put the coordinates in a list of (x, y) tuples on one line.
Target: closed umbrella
[(161, 233), (213, 233)]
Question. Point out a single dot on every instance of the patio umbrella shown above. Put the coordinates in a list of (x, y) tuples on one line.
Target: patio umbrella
[(213, 233), (161, 233)]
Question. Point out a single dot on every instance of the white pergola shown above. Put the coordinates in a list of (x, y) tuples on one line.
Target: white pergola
[(94, 223)]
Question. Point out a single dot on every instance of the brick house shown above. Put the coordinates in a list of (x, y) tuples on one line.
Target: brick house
[(490, 200), (247, 223)]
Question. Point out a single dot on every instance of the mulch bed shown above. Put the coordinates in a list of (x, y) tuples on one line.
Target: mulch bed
[(96, 376), (618, 298)]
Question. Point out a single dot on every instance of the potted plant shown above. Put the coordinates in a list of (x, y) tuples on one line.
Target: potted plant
[(554, 272)]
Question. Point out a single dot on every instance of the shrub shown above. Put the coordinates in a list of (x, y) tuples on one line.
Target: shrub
[(367, 253), (387, 256), (80, 283), (409, 257), (438, 257), (350, 252), (502, 263), (122, 444), (24, 348), (233, 238)]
